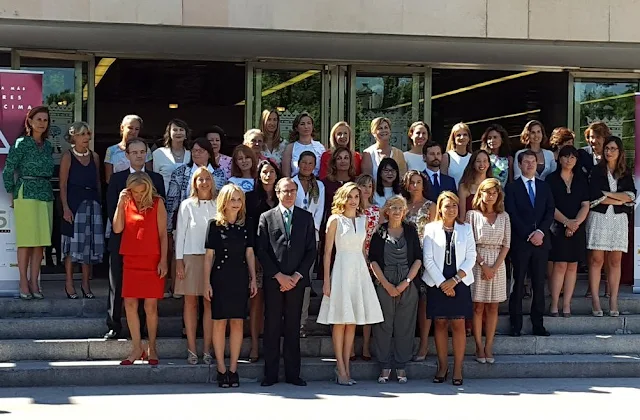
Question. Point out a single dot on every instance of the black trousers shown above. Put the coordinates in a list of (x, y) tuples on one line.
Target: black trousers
[(531, 260), (277, 305), (114, 302)]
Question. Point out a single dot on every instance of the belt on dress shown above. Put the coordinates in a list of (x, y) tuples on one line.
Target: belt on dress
[(30, 177), (481, 246)]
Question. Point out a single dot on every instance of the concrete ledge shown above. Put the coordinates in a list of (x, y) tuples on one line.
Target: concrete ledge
[(29, 374)]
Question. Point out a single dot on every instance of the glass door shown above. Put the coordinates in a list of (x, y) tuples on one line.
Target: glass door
[(68, 94), (380, 93), (290, 89)]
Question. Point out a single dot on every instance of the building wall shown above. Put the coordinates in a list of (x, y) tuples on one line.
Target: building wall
[(563, 20)]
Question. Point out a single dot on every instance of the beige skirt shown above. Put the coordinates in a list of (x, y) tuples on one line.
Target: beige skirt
[(193, 282)]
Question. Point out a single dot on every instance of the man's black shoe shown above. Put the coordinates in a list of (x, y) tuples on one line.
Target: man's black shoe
[(297, 382), (542, 332), (515, 333), (266, 382)]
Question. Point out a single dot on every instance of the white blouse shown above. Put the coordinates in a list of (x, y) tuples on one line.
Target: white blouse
[(415, 162), (305, 202), (315, 147), (457, 164), (193, 221), (164, 163)]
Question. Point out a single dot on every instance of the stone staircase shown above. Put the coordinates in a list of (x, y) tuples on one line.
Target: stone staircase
[(57, 342)]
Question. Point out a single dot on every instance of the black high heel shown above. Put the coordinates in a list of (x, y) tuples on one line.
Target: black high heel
[(441, 379), (89, 295), (71, 296), (223, 379), (234, 379), (456, 382)]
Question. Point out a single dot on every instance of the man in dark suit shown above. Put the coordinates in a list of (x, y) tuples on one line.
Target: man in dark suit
[(432, 156), (286, 246), (136, 152), (530, 205)]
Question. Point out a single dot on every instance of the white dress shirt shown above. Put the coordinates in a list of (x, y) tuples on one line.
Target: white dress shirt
[(193, 220), (315, 208)]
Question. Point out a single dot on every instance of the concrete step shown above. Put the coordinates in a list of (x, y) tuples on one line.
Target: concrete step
[(43, 373), (78, 328), (175, 348)]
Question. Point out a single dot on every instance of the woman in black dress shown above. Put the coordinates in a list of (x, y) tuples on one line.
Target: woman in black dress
[(449, 251), (229, 275), (570, 191)]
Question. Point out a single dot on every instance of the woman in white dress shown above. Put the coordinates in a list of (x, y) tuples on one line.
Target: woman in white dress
[(373, 155), (419, 134), (349, 295), (612, 193), (535, 138), (458, 152), (274, 145), (193, 220), (301, 141), (174, 153)]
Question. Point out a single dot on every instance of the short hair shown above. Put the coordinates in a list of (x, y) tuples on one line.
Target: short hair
[(342, 195), (486, 185), (135, 140), (217, 130), (194, 190), (428, 145), (167, 131), (560, 135), (451, 143), (396, 182), (384, 211), (250, 134), (526, 152), (446, 195), (377, 122), (332, 134), (206, 145), (128, 118), (248, 152), (150, 193), (34, 111), (308, 153), (78, 128), (224, 196), (282, 181)]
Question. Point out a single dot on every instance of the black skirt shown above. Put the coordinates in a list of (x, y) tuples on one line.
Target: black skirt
[(441, 306)]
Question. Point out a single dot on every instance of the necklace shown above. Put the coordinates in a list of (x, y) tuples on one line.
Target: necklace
[(178, 157), (75, 152)]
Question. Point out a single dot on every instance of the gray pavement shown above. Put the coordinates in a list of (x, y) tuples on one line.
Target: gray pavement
[(419, 399)]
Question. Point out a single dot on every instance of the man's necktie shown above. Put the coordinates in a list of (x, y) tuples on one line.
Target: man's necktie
[(436, 183), (532, 196), (287, 221)]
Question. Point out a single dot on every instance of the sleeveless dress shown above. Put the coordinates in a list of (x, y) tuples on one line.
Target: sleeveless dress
[(140, 250), (457, 164), (500, 168), (353, 297), (315, 147)]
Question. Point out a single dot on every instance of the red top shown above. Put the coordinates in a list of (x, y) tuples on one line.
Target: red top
[(326, 157), (140, 235)]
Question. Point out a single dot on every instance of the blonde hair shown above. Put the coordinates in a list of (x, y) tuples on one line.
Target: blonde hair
[(451, 144), (276, 140), (194, 190), (446, 195), (78, 128), (224, 196), (377, 122), (362, 180), (150, 193), (332, 134), (342, 195), (128, 118), (486, 185), (396, 199)]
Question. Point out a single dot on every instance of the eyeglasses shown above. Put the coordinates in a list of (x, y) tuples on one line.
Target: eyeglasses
[(389, 171), (287, 192), (611, 149), (195, 151), (396, 208)]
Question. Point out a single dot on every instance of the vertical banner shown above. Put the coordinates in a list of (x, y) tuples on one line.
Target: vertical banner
[(635, 247), (20, 91)]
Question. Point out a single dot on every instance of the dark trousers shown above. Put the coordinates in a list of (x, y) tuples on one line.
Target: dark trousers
[(530, 260), (276, 305), (114, 302)]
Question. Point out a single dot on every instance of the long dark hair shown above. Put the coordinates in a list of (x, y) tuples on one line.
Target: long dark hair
[(621, 164), (258, 188), (505, 147), (396, 182), (204, 143), (469, 173)]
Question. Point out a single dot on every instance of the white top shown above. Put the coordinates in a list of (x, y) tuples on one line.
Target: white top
[(415, 162), (433, 246), (316, 147), (457, 164), (164, 163), (275, 154), (193, 221), (549, 164), (388, 193), (246, 184), (118, 158), (316, 208)]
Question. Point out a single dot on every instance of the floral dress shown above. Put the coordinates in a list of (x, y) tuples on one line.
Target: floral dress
[(420, 218), (500, 168), (372, 215)]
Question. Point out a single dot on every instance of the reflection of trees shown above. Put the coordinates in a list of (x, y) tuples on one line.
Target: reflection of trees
[(620, 109), (66, 97)]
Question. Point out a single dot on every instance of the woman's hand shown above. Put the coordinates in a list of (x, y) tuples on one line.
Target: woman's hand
[(162, 268), (402, 287), (573, 225), (391, 289), (67, 215), (180, 269), (326, 288), (568, 232), (124, 197), (253, 288), (488, 272), (208, 292), (448, 286)]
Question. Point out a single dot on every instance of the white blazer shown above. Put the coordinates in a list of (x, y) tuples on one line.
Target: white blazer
[(316, 209), (433, 250), (549, 164), (164, 163)]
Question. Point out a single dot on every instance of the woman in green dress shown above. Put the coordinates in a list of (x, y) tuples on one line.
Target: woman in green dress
[(27, 174)]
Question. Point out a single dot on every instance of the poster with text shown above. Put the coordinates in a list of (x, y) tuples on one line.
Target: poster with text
[(635, 247), (20, 91)]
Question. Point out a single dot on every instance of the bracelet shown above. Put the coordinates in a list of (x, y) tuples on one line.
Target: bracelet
[(457, 279)]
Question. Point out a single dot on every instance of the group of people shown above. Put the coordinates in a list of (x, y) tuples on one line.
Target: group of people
[(400, 240)]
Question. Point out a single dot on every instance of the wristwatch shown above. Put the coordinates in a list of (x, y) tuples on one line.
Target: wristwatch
[(481, 263), (408, 280)]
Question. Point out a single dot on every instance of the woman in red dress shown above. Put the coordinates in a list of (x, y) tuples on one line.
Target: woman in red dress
[(142, 219)]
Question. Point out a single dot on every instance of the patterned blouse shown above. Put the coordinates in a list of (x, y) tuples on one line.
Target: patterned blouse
[(420, 218), (118, 158), (500, 167), (224, 163), (33, 166), (372, 215), (276, 154)]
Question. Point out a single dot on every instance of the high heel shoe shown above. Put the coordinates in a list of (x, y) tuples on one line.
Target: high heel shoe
[(384, 376), (152, 362), (441, 379), (342, 380), (26, 296), (89, 295), (457, 382), (72, 296), (129, 362), (234, 379), (223, 379)]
